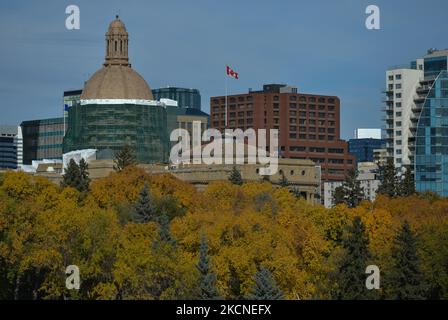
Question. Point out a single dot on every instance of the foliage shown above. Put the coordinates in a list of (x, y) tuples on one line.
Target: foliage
[(76, 176), (235, 177), (207, 278), (124, 158), (265, 287), (406, 281), (312, 252), (350, 193), (389, 180), (283, 181), (351, 271)]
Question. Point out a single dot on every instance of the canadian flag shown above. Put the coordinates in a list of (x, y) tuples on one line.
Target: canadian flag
[(232, 73)]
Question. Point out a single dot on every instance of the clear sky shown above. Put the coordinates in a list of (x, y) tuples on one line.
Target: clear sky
[(320, 46)]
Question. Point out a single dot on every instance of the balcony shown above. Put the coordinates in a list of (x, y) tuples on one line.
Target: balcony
[(423, 89), (388, 100)]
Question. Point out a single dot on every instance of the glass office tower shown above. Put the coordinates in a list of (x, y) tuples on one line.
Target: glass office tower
[(186, 98), (431, 152)]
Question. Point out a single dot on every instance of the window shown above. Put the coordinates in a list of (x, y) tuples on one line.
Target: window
[(292, 136), (398, 142), (293, 105), (398, 77), (391, 78), (293, 98), (319, 150), (398, 86), (398, 104), (398, 95), (398, 114), (297, 149), (398, 123), (292, 128), (398, 133)]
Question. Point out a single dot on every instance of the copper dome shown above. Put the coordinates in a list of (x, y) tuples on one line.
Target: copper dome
[(117, 80)]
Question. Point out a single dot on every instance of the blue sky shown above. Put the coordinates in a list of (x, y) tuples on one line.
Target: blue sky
[(320, 46)]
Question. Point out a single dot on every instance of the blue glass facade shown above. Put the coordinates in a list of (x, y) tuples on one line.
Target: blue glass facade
[(431, 152), (8, 153), (362, 149), (186, 98)]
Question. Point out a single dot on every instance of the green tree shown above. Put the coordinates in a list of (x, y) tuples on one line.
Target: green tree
[(235, 177), (73, 177), (406, 281), (339, 195), (389, 181), (207, 278), (283, 181), (144, 208), (407, 184), (164, 229), (350, 193), (84, 172), (351, 271), (265, 287), (124, 158)]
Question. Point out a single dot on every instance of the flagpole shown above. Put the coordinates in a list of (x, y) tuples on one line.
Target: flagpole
[(63, 110), (226, 101)]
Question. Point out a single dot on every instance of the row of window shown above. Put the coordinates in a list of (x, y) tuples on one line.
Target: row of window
[(312, 129), (397, 77), (275, 98), (316, 149), (311, 137)]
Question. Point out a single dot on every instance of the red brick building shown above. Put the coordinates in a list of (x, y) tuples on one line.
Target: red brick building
[(308, 124)]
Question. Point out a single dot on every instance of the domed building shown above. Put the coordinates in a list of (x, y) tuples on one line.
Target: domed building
[(117, 108)]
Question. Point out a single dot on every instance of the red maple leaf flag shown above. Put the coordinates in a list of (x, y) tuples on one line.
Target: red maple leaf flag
[(232, 73)]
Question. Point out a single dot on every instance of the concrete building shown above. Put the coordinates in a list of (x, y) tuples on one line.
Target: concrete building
[(368, 178), (186, 98), (11, 147), (401, 85), (302, 175), (380, 156), (372, 133)]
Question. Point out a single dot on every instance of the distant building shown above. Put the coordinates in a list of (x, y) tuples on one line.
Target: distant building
[(11, 147), (308, 124), (380, 156), (367, 134), (186, 98), (117, 108), (415, 122), (368, 178), (42, 139), (183, 118), (365, 143)]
